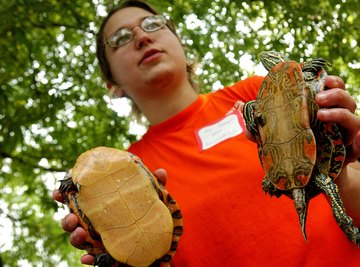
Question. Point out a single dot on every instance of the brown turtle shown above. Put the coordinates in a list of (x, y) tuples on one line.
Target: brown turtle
[(129, 217), (301, 155)]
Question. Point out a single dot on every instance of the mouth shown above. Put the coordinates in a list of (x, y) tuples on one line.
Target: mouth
[(149, 56)]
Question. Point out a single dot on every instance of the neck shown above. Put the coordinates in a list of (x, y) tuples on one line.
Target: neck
[(163, 103)]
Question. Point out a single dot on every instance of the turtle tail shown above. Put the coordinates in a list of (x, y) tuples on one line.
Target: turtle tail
[(301, 205)]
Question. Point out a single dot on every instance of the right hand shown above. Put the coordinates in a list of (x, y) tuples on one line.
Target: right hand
[(78, 234)]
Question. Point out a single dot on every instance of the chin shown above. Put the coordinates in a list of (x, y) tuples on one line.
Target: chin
[(161, 74)]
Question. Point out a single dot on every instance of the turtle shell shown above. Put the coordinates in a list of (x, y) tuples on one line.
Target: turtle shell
[(301, 155), (287, 146), (126, 212)]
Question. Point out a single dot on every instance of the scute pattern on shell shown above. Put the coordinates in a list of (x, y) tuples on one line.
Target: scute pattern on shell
[(130, 217), (280, 148), (301, 155)]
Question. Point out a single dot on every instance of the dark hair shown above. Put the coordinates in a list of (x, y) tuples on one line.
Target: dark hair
[(100, 48)]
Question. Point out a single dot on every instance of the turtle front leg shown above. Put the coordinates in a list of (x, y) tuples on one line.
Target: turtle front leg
[(326, 184), (249, 117), (105, 260)]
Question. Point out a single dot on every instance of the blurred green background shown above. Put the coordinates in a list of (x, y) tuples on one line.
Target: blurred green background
[(53, 103)]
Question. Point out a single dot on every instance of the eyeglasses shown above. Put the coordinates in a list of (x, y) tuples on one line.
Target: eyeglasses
[(125, 35)]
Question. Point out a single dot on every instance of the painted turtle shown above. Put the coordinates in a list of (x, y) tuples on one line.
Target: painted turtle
[(301, 155), (129, 217)]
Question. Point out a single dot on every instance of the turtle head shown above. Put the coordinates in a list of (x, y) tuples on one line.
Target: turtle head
[(271, 58)]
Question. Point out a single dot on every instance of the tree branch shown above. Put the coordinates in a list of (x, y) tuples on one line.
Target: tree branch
[(29, 162)]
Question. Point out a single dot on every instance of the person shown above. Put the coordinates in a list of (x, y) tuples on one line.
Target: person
[(198, 145)]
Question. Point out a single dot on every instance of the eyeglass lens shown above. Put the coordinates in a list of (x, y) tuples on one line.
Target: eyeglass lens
[(125, 35)]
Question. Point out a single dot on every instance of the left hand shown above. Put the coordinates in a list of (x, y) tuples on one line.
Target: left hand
[(339, 107)]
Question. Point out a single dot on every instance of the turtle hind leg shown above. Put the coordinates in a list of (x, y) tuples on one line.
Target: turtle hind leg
[(301, 205), (269, 188), (326, 184)]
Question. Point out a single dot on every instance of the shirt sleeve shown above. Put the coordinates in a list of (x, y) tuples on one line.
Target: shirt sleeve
[(244, 90)]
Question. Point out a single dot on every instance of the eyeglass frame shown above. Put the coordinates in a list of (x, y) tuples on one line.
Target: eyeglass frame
[(164, 23)]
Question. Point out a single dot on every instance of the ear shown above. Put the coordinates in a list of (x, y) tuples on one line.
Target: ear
[(114, 90)]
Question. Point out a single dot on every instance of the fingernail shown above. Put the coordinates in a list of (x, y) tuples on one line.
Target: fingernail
[(65, 223), (321, 96), (68, 222), (323, 111), (74, 237)]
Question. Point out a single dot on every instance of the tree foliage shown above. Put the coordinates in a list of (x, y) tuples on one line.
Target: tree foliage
[(53, 103)]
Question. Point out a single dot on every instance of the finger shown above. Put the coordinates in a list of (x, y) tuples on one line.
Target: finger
[(87, 259), (344, 118), (57, 196), (69, 222), (353, 151), (336, 98), (77, 238), (334, 82), (356, 145), (161, 175)]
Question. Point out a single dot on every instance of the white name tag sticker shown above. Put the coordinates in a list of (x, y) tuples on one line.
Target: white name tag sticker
[(229, 126)]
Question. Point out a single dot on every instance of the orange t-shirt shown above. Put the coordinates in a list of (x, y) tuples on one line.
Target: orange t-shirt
[(215, 176)]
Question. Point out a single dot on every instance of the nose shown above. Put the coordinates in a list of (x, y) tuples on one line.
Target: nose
[(141, 37)]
